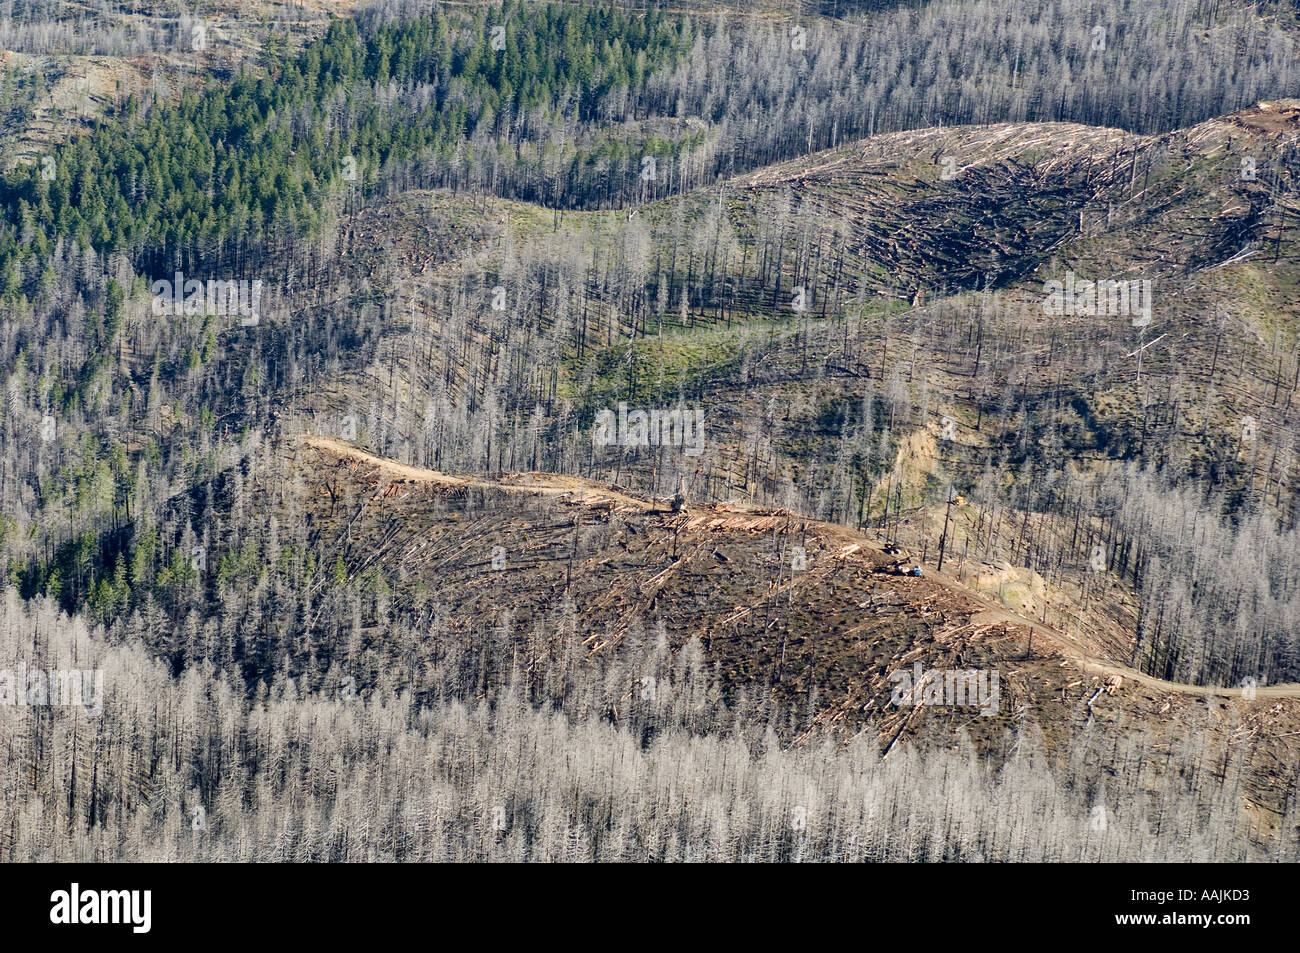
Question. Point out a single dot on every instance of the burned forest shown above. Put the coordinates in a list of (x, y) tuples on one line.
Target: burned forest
[(816, 431)]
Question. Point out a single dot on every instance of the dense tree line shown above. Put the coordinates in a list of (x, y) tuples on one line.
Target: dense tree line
[(214, 178), (224, 680), (95, 28), (432, 101), (211, 184), (145, 410), (189, 767)]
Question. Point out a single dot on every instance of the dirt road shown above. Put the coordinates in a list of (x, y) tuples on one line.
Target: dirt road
[(592, 494)]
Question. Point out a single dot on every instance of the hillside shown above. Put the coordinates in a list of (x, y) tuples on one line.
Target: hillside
[(484, 431), (1092, 202), (63, 64), (866, 405), (529, 556)]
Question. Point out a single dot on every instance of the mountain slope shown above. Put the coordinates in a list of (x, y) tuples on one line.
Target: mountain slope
[(540, 566)]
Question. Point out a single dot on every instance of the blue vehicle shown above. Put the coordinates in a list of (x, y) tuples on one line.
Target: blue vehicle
[(900, 568)]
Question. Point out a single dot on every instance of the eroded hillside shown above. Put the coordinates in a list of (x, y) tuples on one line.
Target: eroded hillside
[(529, 556)]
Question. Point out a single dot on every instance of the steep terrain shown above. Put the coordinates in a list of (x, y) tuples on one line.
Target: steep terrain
[(62, 64), (372, 567), (818, 635), (875, 228), (921, 356)]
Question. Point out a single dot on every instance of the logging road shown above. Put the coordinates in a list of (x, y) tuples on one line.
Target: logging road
[(589, 493)]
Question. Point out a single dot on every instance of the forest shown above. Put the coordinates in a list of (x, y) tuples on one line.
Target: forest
[(481, 224), (193, 769)]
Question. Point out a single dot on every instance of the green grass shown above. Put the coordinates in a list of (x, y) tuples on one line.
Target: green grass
[(661, 364)]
